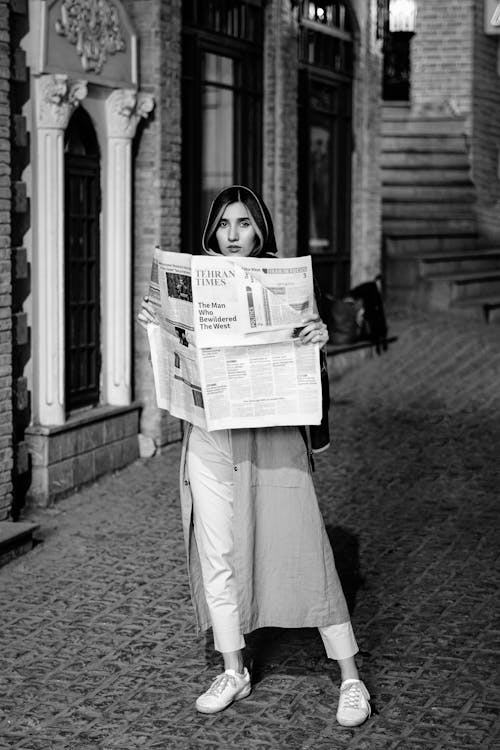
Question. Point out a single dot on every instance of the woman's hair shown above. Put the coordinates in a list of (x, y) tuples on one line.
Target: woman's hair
[(258, 213)]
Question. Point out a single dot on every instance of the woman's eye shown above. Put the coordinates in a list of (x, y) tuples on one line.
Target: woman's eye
[(223, 223), (245, 224)]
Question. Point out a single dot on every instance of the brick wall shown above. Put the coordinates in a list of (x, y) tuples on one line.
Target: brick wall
[(5, 271), (455, 64), (156, 180), (486, 127), (442, 54)]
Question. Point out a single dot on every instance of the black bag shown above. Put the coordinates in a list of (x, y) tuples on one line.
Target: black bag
[(359, 316), (374, 323), (345, 323)]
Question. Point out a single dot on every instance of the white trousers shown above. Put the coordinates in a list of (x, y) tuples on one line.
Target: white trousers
[(210, 468)]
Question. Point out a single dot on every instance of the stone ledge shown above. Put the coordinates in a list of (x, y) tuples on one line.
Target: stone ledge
[(90, 444), (16, 538), (84, 417)]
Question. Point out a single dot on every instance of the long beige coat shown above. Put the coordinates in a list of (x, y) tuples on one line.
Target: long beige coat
[(283, 562)]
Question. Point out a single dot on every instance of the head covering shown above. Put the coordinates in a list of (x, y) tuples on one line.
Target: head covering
[(258, 214)]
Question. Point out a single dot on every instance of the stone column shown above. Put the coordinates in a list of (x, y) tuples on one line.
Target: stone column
[(124, 109), (55, 100)]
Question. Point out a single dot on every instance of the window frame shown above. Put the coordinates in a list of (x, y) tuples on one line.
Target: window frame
[(332, 268)]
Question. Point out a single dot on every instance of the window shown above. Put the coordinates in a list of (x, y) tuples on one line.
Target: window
[(325, 141), (396, 27), (325, 36), (221, 105), (82, 276)]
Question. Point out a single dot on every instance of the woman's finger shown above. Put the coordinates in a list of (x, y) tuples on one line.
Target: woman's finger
[(314, 332)]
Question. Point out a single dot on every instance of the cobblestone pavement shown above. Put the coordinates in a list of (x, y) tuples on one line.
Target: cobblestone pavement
[(98, 648)]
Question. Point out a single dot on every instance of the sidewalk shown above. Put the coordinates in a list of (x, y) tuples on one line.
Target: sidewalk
[(97, 641)]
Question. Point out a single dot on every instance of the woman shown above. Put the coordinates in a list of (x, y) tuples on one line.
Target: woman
[(258, 553)]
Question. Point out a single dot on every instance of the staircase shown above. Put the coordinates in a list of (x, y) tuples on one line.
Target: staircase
[(434, 258)]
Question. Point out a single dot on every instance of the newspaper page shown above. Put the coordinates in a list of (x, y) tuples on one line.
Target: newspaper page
[(248, 301), (226, 353), (261, 386), (173, 353)]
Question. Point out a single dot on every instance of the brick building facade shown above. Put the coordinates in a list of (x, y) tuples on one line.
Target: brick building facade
[(455, 63), (122, 132), (6, 458), (440, 157)]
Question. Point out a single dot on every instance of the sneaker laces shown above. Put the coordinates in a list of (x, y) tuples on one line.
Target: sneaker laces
[(220, 683), (352, 695)]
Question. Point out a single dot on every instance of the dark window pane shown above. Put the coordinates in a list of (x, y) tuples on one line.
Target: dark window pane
[(82, 280), (221, 105)]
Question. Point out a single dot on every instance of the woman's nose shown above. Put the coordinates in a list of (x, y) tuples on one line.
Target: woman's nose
[(233, 232)]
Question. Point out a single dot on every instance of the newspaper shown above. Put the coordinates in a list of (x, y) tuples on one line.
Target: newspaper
[(248, 301), (225, 352)]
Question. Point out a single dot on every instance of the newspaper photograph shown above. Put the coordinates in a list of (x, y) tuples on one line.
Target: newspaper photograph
[(225, 352), (172, 274)]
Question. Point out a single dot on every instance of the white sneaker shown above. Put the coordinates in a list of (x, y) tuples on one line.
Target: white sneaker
[(354, 703), (226, 688)]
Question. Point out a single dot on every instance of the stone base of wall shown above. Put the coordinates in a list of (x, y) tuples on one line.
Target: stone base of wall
[(90, 444)]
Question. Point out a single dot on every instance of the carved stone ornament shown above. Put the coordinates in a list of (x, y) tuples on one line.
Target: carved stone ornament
[(57, 97), (94, 27), (125, 107)]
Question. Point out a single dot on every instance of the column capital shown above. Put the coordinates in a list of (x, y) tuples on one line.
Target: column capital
[(57, 97), (124, 109)]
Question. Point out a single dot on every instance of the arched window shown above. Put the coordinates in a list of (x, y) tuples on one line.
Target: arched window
[(81, 262), (325, 140)]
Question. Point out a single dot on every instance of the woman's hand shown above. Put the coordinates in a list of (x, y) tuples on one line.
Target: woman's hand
[(314, 331), (147, 313)]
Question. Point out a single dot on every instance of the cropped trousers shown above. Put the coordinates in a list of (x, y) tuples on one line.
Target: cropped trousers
[(210, 468)]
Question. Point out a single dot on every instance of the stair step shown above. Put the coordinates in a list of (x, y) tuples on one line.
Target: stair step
[(408, 270), (396, 111), (403, 111), (402, 246), (489, 306), (427, 228), (427, 211), (447, 263), (437, 160), (465, 278), (424, 144), (432, 193), (428, 175), (457, 286), (16, 538), (492, 302), (422, 126)]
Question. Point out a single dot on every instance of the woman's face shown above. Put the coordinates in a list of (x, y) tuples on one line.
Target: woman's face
[(235, 234)]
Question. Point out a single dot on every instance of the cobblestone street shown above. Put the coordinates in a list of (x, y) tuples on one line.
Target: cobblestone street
[(97, 642)]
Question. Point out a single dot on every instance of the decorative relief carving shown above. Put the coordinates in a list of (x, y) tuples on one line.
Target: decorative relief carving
[(94, 27), (125, 107), (57, 97)]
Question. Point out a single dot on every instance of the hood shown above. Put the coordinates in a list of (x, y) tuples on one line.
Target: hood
[(258, 213)]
